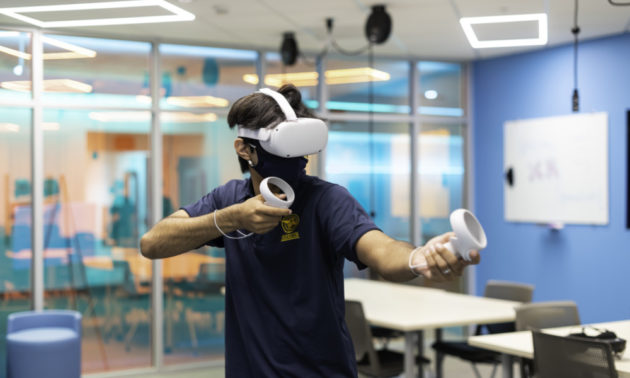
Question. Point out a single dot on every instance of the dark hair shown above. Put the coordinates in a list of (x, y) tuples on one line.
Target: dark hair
[(258, 110)]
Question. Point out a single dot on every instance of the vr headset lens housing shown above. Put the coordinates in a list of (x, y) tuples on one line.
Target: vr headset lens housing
[(294, 137)]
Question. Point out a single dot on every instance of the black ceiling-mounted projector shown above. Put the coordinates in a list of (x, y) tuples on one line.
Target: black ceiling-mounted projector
[(378, 26), (289, 49)]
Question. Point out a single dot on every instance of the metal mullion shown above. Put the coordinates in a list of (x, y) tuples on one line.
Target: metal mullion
[(441, 120), (404, 118), (322, 98), (157, 302), (37, 175), (94, 107), (469, 164), (415, 224), (17, 104), (261, 69)]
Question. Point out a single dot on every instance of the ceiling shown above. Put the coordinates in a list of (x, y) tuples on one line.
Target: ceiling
[(427, 29)]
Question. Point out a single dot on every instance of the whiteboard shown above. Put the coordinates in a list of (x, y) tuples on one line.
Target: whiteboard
[(558, 168)]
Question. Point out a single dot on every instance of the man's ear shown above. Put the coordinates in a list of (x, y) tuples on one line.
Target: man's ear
[(242, 149)]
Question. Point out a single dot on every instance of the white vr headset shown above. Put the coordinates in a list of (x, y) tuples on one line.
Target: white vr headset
[(291, 138)]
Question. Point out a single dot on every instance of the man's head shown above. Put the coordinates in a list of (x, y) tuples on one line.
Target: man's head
[(270, 134)]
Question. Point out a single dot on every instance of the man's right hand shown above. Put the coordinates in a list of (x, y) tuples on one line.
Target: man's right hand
[(259, 218)]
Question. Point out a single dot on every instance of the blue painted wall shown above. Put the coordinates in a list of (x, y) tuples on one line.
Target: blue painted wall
[(587, 264)]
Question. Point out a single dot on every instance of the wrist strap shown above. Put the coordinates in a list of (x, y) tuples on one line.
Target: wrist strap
[(243, 235), (411, 266), (414, 267)]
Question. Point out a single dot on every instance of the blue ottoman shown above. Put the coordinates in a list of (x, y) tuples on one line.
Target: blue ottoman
[(44, 344)]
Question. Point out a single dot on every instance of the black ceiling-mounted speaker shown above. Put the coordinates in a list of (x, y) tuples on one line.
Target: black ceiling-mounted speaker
[(378, 26), (289, 49)]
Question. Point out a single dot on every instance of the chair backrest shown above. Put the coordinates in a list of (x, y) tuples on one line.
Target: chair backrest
[(546, 315), (572, 357), (360, 332), (19, 321), (513, 291)]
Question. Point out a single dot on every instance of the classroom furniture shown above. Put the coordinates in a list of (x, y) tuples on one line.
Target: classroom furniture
[(541, 315), (370, 361), (44, 344), (570, 357), (514, 291), (520, 344), (413, 309)]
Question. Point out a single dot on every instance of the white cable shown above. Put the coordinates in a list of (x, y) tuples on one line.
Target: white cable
[(243, 235)]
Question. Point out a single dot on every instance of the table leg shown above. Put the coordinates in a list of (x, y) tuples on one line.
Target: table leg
[(438, 358), (420, 354), (506, 364), (409, 354)]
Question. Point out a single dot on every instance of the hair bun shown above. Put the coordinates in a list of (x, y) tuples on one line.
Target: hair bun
[(292, 94)]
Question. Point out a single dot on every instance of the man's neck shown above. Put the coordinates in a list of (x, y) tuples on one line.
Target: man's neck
[(256, 180)]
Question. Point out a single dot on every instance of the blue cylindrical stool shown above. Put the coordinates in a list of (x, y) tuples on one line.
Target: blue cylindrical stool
[(44, 344)]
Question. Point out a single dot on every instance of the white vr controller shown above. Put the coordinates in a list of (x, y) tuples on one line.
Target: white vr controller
[(270, 198), (469, 236)]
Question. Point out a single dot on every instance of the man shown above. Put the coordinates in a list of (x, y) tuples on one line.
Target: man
[(284, 279)]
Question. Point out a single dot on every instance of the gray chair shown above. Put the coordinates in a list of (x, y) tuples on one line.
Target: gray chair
[(514, 291), (539, 315), (572, 357), (370, 362)]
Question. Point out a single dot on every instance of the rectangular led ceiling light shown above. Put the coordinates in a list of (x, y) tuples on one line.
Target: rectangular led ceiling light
[(177, 14), (52, 85), (309, 79), (72, 51), (143, 116), (468, 22)]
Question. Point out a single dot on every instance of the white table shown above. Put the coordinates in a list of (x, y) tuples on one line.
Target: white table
[(413, 309), (520, 344)]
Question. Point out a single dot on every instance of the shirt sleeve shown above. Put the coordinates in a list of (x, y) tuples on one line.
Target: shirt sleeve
[(344, 221), (205, 205)]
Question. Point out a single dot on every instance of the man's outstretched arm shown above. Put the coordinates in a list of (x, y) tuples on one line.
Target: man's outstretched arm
[(179, 233), (390, 257)]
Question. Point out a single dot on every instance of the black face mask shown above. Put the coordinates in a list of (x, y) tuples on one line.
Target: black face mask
[(288, 169)]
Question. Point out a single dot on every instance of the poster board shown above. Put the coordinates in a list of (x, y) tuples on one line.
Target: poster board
[(556, 169)]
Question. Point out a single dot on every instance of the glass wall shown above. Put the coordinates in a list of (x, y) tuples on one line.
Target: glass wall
[(198, 156), (303, 74), (15, 66), (96, 195), (15, 216), (96, 72), (349, 90), (97, 181), (375, 167), (441, 172), (204, 77), (95, 211), (441, 89)]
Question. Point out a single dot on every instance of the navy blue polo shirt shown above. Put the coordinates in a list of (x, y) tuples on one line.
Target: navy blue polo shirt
[(284, 305)]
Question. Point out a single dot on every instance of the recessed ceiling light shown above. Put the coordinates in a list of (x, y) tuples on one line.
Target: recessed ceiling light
[(430, 94), (178, 14), (468, 22)]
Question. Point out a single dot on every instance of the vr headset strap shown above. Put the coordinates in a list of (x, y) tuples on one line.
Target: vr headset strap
[(282, 102)]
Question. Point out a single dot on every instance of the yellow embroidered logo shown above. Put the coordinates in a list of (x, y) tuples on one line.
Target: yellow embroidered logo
[(289, 224)]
